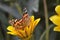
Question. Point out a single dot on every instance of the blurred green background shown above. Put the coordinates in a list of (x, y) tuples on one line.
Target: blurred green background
[(10, 9)]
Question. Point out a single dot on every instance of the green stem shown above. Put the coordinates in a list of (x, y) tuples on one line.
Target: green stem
[(41, 38), (46, 19)]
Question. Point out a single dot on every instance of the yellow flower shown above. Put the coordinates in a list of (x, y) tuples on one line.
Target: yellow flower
[(25, 33), (56, 18)]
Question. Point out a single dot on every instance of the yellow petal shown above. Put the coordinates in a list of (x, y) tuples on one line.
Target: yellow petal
[(55, 19), (31, 24), (57, 28), (57, 9), (27, 38), (32, 18), (27, 31), (12, 33), (11, 28), (22, 32), (20, 35), (35, 23)]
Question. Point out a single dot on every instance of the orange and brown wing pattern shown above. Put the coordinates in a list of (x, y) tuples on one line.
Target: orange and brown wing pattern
[(20, 23)]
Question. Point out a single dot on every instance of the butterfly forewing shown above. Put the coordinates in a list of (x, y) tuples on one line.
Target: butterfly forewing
[(21, 23)]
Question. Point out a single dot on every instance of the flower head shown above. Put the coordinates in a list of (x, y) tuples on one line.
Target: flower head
[(56, 18), (24, 27)]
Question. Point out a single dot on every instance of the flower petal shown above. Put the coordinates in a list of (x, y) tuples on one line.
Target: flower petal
[(57, 28), (57, 9), (27, 30), (12, 33), (35, 23), (55, 19), (11, 28), (22, 32), (32, 18), (27, 38)]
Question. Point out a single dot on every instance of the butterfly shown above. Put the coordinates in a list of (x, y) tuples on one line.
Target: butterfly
[(21, 23)]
